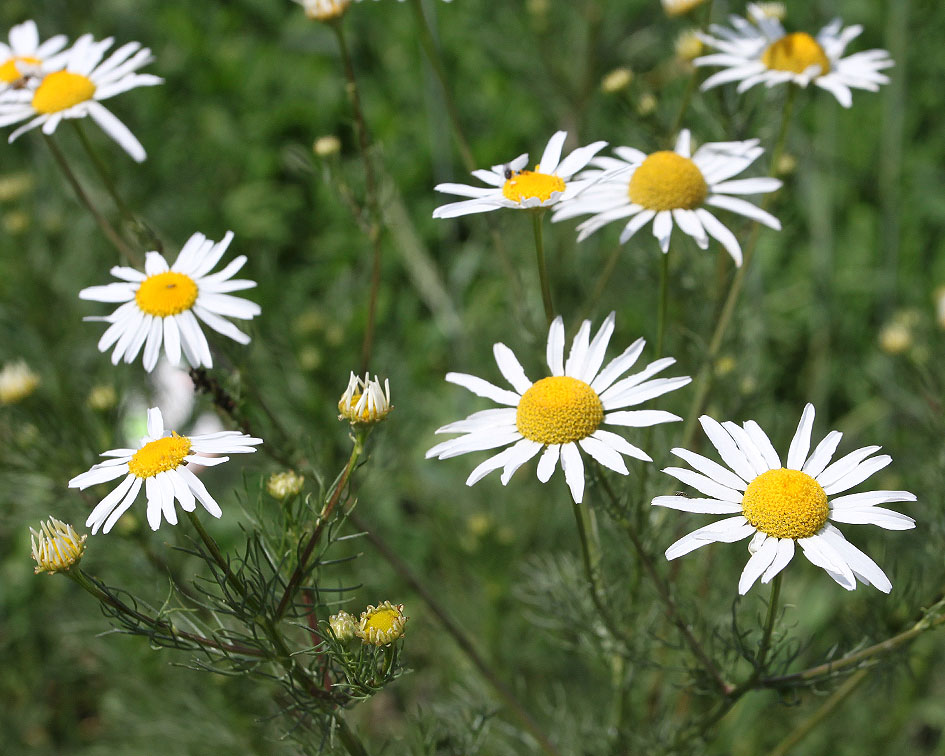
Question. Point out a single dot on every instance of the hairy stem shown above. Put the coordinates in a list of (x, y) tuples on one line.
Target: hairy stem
[(542, 267)]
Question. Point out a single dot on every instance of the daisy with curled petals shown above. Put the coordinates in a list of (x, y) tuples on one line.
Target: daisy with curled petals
[(162, 304), (758, 50), (511, 185), (673, 188), (782, 506), (25, 57), (160, 464), (562, 413), (77, 90)]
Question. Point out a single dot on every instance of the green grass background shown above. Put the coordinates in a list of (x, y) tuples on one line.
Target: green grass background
[(249, 85)]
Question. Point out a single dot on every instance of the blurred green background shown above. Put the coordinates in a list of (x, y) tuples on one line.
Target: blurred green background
[(250, 84)]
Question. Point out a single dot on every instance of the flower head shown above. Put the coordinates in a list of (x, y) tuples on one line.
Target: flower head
[(162, 304), (343, 625), (17, 381), (285, 485), (511, 185), (364, 402), (758, 50), (382, 625), (56, 546), (160, 463), (563, 413), (76, 91), (784, 505), (678, 7), (324, 10), (673, 188), (24, 57)]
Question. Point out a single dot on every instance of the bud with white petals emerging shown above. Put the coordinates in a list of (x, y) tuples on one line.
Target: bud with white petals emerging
[(364, 402)]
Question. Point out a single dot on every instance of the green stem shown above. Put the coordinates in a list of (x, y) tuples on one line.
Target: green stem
[(433, 55), (370, 187), (218, 556), (703, 380), (661, 317), (542, 267), (349, 740), (113, 236), (102, 171), (464, 642), (691, 84), (591, 556), (823, 711), (299, 571), (765, 646), (83, 580)]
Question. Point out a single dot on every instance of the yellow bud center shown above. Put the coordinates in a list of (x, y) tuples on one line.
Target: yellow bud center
[(796, 53), (383, 620), (61, 90), (10, 71), (166, 294), (532, 184), (785, 504), (559, 410), (667, 181), (159, 456)]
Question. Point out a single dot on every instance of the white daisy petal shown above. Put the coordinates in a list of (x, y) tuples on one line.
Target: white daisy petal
[(704, 484), (573, 468), (711, 469), (701, 506), (555, 349), (761, 441), (521, 452), (620, 444), (844, 465), (552, 154), (729, 530), (548, 462), (864, 567), (819, 552), (727, 448), (883, 518), (481, 387), (640, 418), (759, 562), (604, 454), (800, 444), (781, 560), (858, 474), (870, 498), (491, 464), (822, 454), (122, 507), (511, 368)]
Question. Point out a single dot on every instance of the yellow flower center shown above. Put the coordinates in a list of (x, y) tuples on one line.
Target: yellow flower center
[(667, 181), (9, 72), (166, 294), (785, 504), (159, 456), (61, 90), (559, 410), (382, 620), (796, 53), (528, 184)]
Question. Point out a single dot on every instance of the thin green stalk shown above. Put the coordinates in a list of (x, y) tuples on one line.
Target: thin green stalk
[(542, 267), (83, 580), (591, 557), (823, 711), (348, 739), (464, 642), (323, 518), (433, 55), (113, 236), (703, 380), (102, 171), (602, 280), (218, 556), (691, 84), (765, 646), (370, 188)]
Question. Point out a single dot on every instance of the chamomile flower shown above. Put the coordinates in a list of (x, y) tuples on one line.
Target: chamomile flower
[(782, 506), (25, 57), (162, 304), (562, 414), (673, 188), (160, 464), (678, 7), (758, 50), (511, 185), (77, 90), (324, 10)]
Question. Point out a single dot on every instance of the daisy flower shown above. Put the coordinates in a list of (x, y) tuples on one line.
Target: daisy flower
[(562, 413), (77, 91), (758, 50), (160, 463), (781, 506), (162, 304), (24, 56), (668, 186), (678, 7), (510, 185), (324, 10)]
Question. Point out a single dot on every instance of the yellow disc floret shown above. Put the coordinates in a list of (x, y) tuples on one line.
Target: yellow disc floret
[(559, 410), (796, 53), (61, 90), (11, 71), (532, 185), (667, 181), (785, 504), (382, 625), (159, 456), (166, 294)]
